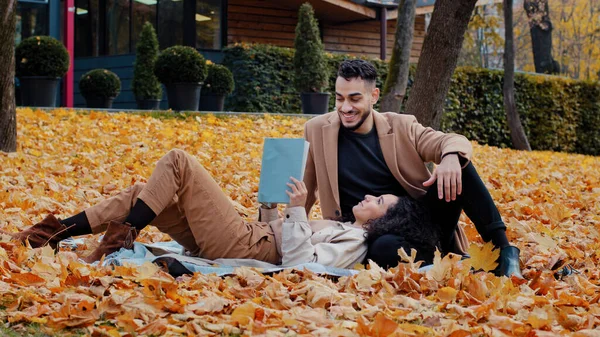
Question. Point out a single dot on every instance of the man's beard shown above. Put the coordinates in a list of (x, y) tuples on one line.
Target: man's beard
[(360, 122)]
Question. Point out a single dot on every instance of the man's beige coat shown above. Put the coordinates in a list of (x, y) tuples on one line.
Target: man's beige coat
[(406, 147)]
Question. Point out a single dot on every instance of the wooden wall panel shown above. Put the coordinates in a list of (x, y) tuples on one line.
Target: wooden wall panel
[(260, 21), (264, 21), (363, 38)]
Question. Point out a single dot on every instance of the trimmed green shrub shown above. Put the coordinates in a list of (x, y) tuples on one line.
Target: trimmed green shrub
[(263, 75), (41, 56), (145, 85), (558, 114), (219, 80), (473, 109), (99, 83), (549, 108), (309, 61), (180, 64), (588, 128)]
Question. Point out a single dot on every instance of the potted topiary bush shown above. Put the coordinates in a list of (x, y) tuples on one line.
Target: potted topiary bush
[(310, 66), (99, 87), (218, 84), (145, 85), (40, 63), (181, 69)]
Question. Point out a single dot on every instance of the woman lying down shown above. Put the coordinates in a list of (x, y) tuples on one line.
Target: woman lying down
[(182, 199)]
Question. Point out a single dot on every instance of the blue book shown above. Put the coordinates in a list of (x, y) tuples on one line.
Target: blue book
[(282, 158)]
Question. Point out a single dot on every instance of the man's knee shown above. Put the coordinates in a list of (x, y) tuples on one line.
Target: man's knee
[(135, 189), (178, 158), (176, 153)]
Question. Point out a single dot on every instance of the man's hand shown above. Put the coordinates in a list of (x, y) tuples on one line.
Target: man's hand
[(298, 194), (449, 178)]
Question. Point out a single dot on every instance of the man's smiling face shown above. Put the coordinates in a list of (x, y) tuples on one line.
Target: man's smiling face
[(354, 100)]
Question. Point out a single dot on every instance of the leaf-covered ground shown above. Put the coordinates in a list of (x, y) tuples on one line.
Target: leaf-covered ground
[(67, 161)]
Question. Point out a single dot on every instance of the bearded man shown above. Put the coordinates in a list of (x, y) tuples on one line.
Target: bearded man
[(357, 151)]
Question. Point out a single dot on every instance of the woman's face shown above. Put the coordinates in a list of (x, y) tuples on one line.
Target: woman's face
[(373, 207)]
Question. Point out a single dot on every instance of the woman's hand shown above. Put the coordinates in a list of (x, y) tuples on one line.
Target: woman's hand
[(298, 194)]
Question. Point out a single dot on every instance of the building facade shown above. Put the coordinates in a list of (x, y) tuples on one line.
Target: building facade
[(105, 32)]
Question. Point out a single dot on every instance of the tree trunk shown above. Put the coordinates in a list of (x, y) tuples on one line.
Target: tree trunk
[(540, 28), (438, 59), (517, 134), (394, 89), (8, 115)]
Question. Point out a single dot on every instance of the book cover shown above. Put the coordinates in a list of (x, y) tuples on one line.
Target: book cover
[(282, 158)]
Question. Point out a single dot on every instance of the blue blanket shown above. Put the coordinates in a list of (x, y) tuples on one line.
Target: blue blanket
[(169, 254)]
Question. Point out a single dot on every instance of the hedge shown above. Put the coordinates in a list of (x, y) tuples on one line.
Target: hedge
[(558, 114), (264, 78)]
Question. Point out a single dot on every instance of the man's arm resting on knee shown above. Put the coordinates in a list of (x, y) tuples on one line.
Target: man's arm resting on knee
[(433, 145)]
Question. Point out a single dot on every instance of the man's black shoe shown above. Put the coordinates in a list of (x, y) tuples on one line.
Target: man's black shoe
[(508, 262)]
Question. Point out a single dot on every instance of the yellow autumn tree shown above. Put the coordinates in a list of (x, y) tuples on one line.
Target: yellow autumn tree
[(575, 38), (484, 40)]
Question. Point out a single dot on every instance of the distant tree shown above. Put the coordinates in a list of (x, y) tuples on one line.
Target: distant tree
[(575, 37), (517, 133), (438, 59), (540, 27), (8, 114), (575, 44), (394, 89), (484, 42)]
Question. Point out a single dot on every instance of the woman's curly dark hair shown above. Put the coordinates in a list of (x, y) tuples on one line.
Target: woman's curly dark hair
[(410, 219)]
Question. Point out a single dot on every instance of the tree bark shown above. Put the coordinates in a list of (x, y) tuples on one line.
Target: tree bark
[(438, 59), (540, 28), (8, 115), (394, 89), (517, 133)]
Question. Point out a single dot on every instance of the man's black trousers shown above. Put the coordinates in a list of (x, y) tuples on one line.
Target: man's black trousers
[(478, 205)]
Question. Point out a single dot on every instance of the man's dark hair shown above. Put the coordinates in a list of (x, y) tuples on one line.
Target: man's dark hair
[(358, 68), (410, 220)]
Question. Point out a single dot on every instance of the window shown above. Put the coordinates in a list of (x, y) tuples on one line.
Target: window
[(32, 20), (117, 27), (143, 10), (112, 27), (170, 23), (208, 24), (86, 28)]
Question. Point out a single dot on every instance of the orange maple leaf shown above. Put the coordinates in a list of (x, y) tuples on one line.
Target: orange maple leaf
[(483, 257)]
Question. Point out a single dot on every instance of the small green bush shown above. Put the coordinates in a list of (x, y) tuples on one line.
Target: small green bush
[(219, 80), (309, 61), (180, 64), (99, 83), (41, 56), (145, 85)]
